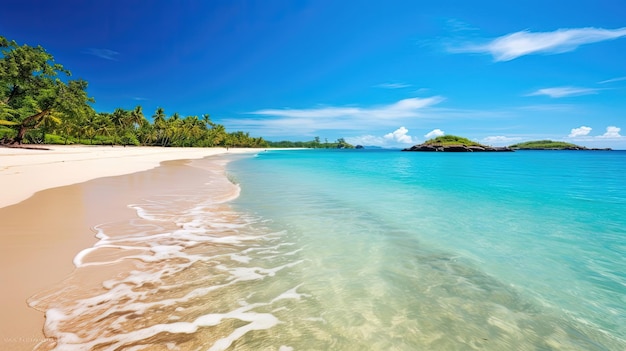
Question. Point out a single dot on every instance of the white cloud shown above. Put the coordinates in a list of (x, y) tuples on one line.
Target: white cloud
[(514, 45), (400, 135), (560, 92), (582, 134), (434, 133), (499, 139), (580, 131), (103, 53), (612, 132)]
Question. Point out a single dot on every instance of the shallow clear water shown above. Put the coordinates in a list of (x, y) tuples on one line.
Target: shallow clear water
[(521, 250), (360, 250)]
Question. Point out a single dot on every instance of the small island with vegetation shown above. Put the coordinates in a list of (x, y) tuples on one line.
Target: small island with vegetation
[(453, 143), (550, 145)]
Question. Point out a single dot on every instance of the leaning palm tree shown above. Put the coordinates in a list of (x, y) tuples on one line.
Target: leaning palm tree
[(49, 122)]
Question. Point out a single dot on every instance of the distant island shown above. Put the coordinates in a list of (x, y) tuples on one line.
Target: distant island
[(550, 145), (453, 143)]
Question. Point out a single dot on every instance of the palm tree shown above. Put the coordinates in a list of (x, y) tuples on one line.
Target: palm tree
[(136, 118), (159, 124), (89, 127), (217, 135), (120, 121), (173, 130), (159, 116), (147, 134), (48, 123), (206, 118), (103, 124)]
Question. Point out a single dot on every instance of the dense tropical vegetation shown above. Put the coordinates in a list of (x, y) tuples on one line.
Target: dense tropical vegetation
[(446, 140), (313, 144), (545, 144), (40, 103)]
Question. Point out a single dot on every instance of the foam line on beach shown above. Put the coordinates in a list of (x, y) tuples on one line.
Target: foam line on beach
[(172, 260), (256, 321)]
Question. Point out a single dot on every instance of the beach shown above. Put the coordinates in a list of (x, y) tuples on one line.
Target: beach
[(317, 249), (52, 199)]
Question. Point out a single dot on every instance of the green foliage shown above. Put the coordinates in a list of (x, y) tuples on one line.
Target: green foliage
[(6, 133), (31, 92), (56, 139), (314, 144), (545, 144), (446, 140), (39, 103), (129, 138)]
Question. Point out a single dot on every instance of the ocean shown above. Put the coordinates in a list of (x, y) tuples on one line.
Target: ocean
[(366, 250)]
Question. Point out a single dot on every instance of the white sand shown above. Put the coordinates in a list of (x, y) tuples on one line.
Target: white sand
[(42, 234), (23, 172)]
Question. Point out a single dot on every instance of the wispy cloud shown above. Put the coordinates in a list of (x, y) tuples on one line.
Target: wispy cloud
[(456, 25), (559, 92), (514, 45), (580, 131), (393, 85), (613, 80), (310, 120), (103, 53), (401, 109), (549, 107)]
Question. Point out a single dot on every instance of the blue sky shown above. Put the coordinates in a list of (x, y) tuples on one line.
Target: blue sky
[(389, 73)]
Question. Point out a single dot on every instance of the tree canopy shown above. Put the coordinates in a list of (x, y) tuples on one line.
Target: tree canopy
[(445, 140), (32, 91), (39, 103), (313, 144), (545, 144)]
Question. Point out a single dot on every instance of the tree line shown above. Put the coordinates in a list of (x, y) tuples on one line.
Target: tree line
[(313, 144), (40, 103)]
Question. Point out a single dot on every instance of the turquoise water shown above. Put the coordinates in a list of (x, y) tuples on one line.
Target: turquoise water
[(357, 250), (396, 250)]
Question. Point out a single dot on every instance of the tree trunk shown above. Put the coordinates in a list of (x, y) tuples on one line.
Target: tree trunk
[(25, 126)]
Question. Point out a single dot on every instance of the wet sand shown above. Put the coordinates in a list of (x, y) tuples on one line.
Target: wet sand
[(42, 234)]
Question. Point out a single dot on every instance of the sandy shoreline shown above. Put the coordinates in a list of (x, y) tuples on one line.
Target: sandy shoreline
[(23, 172), (74, 189)]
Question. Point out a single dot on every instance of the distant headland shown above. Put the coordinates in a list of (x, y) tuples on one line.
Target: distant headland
[(453, 143), (551, 145)]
